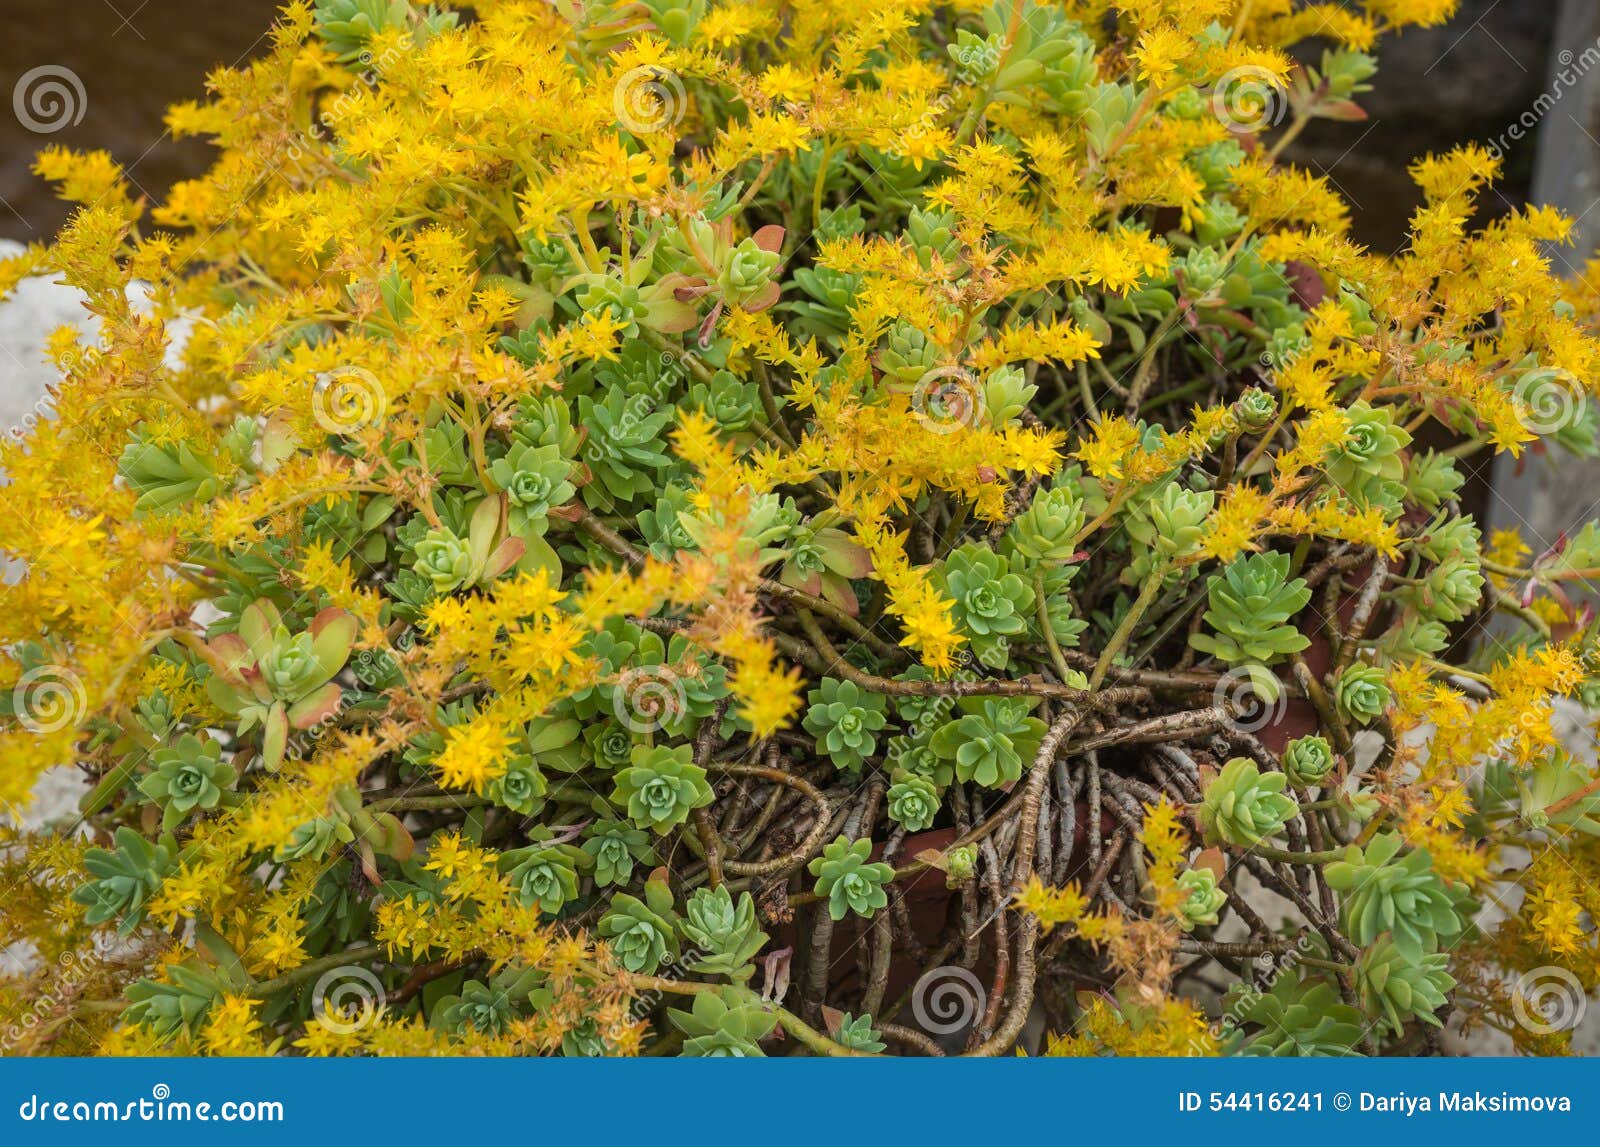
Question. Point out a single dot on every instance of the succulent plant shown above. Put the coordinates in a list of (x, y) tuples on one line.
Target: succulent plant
[(1047, 530), (651, 684), (186, 775), (546, 421), (552, 743), (586, 1041), (731, 402), (610, 745), (627, 297), (922, 712), (1447, 538), (990, 740), (1400, 895), (848, 880), (1299, 1018), (991, 604), (624, 448), (264, 675), (352, 527), (908, 354), (124, 878), (536, 479), (178, 1004), (743, 273), (615, 846), (1559, 781), (1255, 409), (444, 446), (601, 469), (641, 369), (854, 1032), (1006, 394), (1448, 591), (642, 933), (520, 788), (661, 787), (730, 1023), (1203, 899), (1368, 464), (165, 476), (820, 559), (313, 839), (1399, 989), (478, 1007), (1308, 761), (1432, 479), (1412, 637), (722, 932), (544, 873), (932, 234), (914, 756), (913, 802), (448, 561), (1250, 605), (1242, 807), (1345, 72), (1167, 525), (1043, 47), (349, 25), (825, 311), (960, 864), (1361, 692), (843, 718), (1358, 804)]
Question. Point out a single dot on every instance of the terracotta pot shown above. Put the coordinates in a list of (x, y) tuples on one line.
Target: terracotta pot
[(1298, 717)]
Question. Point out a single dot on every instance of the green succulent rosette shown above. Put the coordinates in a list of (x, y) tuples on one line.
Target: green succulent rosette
[(1243, 807), (848, 881)]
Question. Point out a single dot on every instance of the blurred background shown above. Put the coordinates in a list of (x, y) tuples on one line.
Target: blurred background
[(133, 58)]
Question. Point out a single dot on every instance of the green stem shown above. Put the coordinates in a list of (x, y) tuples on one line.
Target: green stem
[(1044, 624), (429, 803), (1284, 856), (790, 1022), (1290, 134), (1330, 965), (1147, 594)]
